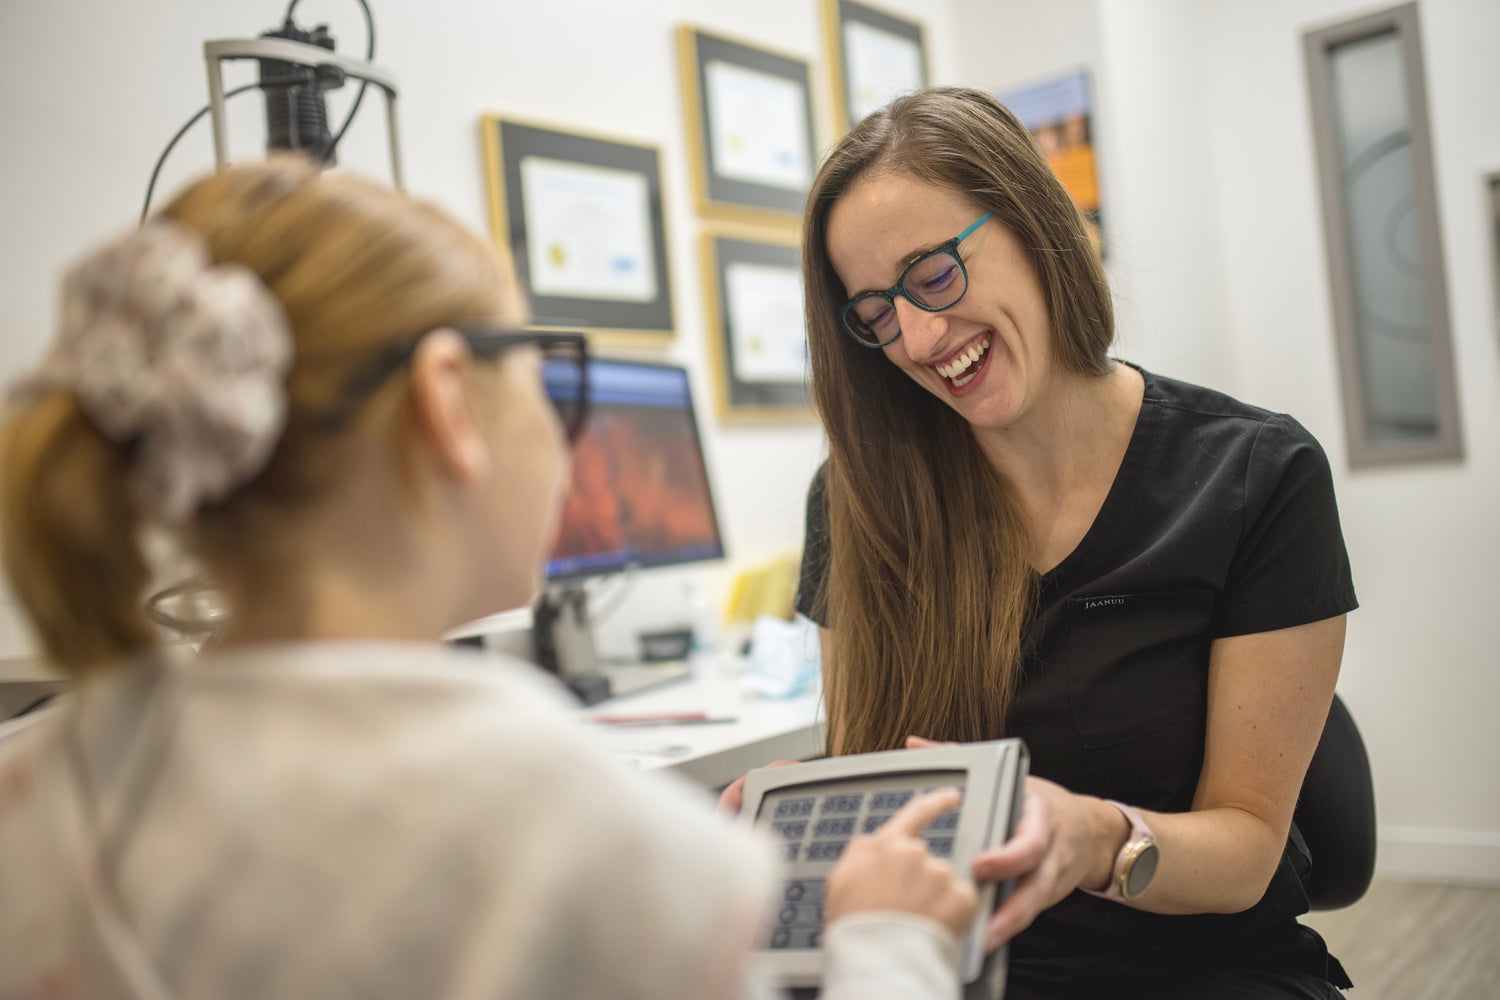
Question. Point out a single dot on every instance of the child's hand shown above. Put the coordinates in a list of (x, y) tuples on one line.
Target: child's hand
[(892, 869)]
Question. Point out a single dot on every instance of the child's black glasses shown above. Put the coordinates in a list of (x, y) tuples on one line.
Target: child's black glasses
[(565, 370)]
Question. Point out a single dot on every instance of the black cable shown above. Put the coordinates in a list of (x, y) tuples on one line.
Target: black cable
[(369, 58), (180, 133)]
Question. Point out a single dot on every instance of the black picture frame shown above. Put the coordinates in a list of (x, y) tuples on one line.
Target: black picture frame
[(837, 14), (717, 192), (507, 144), (739, 396)]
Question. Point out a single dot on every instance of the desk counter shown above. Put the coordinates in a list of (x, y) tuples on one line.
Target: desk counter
[(712, 754)]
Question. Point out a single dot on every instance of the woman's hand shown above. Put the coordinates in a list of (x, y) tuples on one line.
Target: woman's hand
[(733, 795), (1062, 841), (892, 869)]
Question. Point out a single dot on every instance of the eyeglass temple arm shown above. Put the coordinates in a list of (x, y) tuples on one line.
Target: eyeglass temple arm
[(977, 223)]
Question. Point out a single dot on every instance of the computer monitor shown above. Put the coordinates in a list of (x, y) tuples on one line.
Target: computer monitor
[(640, 495), (639, 498)]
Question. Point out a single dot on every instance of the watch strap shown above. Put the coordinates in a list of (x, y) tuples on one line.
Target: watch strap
[(1140, 835)]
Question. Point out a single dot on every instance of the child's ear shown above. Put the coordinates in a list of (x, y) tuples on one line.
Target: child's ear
[(443, 415)]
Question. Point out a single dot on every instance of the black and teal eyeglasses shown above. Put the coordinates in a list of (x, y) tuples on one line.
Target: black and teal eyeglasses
[(565, 371), (933, 282)]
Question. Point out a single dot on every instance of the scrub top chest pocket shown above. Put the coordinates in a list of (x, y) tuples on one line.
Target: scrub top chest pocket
[(812, 811), (1136, 671), (1137, 663)]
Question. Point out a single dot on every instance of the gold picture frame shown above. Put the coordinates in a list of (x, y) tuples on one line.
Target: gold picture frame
[(583, 219), (873, 56), (751, 130), (752, 293)]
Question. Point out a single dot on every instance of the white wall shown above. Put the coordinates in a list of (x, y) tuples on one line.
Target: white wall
[(1420, 667), (1217, 258), (95, 88), (1160, 224)]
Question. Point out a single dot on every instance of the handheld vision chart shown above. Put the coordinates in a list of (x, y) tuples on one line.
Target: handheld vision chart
[(813, 809)]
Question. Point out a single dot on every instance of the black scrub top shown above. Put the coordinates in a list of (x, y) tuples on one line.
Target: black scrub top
[(1220, 522)]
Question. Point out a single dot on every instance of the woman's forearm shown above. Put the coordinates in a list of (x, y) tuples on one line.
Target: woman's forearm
[(1216, 860)]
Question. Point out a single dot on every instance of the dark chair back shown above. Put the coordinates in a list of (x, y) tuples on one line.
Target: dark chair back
[(1336, 814)]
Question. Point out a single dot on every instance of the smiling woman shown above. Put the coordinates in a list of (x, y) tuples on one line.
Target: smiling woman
[(1017, 535), (878, 203)]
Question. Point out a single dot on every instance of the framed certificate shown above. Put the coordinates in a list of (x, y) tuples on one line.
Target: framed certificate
[(750, 128), (582, 219), (756, 324), (875, 57)]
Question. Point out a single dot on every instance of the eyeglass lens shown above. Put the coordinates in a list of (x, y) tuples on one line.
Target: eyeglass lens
[(565, 377), (933, 282)]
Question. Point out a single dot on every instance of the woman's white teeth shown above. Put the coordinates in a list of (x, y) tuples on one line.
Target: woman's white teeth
[(955, 368)]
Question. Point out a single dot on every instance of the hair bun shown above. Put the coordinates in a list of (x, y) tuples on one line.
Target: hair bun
[(183, 358)]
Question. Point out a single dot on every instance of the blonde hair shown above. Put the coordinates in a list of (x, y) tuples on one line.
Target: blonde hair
[(930, 584), (356, 267)]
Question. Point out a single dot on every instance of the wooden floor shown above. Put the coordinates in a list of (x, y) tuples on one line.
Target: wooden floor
[(1416, 941)]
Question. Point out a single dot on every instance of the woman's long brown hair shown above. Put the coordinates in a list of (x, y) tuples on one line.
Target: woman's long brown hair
[(930, 585)]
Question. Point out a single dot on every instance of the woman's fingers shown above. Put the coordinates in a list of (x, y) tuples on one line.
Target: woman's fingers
[(1029, 898), (1026, 848), (732, 798), (1044, 862)]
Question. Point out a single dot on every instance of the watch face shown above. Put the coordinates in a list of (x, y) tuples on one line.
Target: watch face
[(1140, 870)]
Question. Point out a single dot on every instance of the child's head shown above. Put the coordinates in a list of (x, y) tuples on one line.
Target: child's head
[(211, 373)]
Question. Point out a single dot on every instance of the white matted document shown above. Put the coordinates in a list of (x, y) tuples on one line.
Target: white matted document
[(758, 125), (765, 322), (880, 66), (588, 231)]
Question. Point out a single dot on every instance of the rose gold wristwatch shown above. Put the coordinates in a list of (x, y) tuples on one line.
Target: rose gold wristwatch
[(1135, 865)]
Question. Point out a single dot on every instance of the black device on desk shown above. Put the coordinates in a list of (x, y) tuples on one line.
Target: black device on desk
[(812, 810), (639, 498)]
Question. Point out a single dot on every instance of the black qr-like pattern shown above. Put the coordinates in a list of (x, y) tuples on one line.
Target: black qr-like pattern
[(826, 850), (842, 826), (792, 808), (889, 801)]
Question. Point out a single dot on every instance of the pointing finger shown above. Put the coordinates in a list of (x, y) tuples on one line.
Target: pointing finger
[(915, 816)]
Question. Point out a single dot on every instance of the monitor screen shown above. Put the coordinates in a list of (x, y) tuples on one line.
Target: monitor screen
[(640, 494)]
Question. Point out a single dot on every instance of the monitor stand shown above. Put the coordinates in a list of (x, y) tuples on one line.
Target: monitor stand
[(563, 633), (564, 639), (564, 642)]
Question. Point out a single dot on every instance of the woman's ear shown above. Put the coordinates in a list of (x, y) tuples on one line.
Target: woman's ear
[(444, 417)]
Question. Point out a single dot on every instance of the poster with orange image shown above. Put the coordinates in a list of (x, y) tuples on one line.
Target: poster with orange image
[(1058, 113)]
